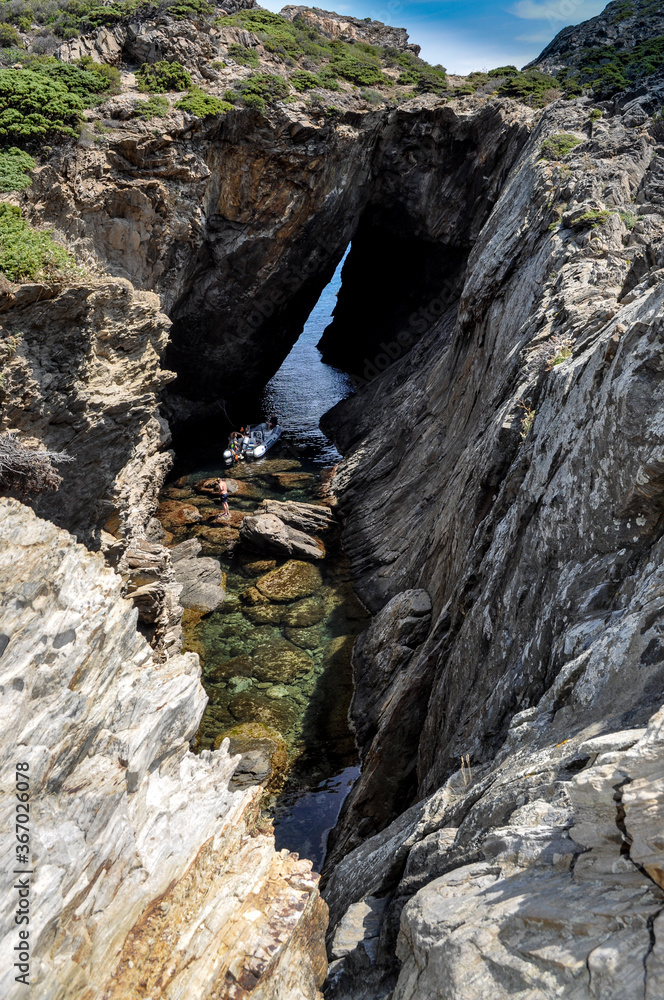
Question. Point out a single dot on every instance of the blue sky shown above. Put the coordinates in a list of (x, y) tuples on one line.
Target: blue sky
[(467, 36)]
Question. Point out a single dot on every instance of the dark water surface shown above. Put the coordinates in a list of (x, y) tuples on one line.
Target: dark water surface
[(282, 663)]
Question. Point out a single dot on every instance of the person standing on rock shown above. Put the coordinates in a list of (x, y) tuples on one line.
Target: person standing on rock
[(222, 489)]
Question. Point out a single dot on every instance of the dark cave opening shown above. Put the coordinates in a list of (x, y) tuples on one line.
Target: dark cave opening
[(394, 287)]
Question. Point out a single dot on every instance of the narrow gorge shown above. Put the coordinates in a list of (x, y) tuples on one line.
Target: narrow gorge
[(460, 611)]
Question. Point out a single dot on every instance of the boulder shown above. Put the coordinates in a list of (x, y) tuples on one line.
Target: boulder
[(268, 533), (201, 580), (291, 480), (239, 666), (302, 614), (280, 714), (291, 581), (306, 638), (307, 517)]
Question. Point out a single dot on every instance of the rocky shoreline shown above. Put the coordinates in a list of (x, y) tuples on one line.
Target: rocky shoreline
[(501, 504)]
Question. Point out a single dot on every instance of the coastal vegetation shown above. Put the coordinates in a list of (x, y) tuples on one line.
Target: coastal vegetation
[(27, 253)]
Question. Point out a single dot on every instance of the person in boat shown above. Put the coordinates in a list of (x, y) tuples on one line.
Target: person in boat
[(222, 490), (272, 422), (235, 445)]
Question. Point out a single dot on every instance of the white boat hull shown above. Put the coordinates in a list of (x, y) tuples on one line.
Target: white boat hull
[(257, 443)]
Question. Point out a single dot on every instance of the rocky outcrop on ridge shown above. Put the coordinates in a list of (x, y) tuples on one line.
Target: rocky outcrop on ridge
[(623, 25), (352, 28), (151, 876), (510, 468)]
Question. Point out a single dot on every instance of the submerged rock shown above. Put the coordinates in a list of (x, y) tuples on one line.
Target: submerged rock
[(264, 755), (308, 611), (238, 666), (263, 614), (249, 566), (306, 638), (281, 713), (175, 514), (277, 659), (289, 582), (292, 480)]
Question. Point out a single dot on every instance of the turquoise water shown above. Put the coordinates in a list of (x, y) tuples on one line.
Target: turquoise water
[(281, 663)]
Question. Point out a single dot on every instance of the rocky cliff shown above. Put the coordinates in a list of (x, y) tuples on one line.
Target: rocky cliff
[(502, 501), (508, 470), (148, 874)]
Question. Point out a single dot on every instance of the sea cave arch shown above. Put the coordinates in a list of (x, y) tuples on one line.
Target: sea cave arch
[(409, 192)]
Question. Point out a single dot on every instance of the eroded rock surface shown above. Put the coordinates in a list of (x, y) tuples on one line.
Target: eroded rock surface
[(150, 875), (510, 467)]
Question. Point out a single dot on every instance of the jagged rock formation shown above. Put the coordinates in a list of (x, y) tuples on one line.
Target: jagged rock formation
[(502, 499), (510, 466), (151, 876), (622, 25), (352, 28), (84, 377), (283, 529)]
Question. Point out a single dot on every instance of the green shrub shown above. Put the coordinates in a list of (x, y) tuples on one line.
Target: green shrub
[(155, 78), (302, 81), (558, 146), (153, 107), (531, 86), (592, 218), (241, 54), (371, 96), (629, 219), (198, 103), (503, 71), (180, 9), (259, 90), (596, 114), (27, 253), (14, 167), (33, 105), (364, 71), (605, 70), (87, 79), (9, 37)]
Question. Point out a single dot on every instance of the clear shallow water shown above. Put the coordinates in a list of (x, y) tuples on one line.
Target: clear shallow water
[(258, 665)]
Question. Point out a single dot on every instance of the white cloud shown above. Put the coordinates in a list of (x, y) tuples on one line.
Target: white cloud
[(569, 11)]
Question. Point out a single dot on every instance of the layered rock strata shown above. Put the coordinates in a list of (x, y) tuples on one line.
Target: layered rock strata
[(511, 468), (149, 876)]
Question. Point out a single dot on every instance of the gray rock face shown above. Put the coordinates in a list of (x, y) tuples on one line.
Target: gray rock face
[(620, 25), (388, 704), (510, 466), (174, 887), (306, 517), (85, 379), (351, 28)]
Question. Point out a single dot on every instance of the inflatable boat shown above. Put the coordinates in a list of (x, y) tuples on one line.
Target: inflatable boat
[(257, 441)]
